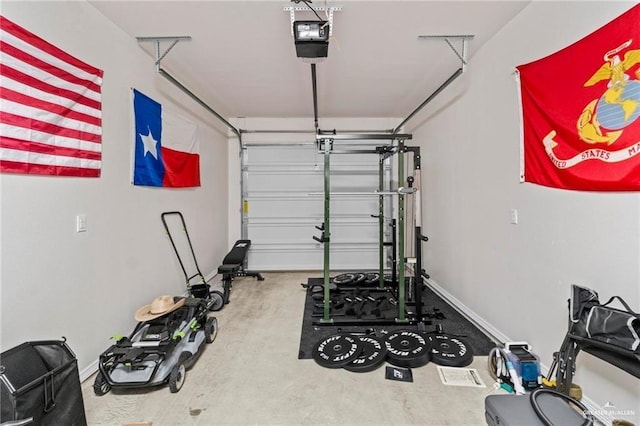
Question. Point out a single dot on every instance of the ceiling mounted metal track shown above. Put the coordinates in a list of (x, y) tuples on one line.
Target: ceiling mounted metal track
[(329, 10), (326, 135), (173, 40), (462, 55), (314, 131)]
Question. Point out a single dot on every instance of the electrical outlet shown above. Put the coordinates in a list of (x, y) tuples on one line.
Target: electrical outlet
[(514, 216), (81, 223)]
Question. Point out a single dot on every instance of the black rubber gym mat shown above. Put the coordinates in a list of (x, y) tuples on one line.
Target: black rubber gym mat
[(441, 313)]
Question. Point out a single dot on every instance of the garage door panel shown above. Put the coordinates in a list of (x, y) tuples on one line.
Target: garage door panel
[(272, 233), (284, 192), (284, 156), (362, 207), (267, 183), (308, 181), (284, 208), (311, 258), (309, 207), (363, 183), (363, 234), (302, 233)]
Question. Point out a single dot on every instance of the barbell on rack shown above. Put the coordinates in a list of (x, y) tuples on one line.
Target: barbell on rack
[(400, 191)]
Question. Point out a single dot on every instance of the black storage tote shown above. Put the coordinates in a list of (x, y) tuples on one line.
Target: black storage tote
[(39, 381)]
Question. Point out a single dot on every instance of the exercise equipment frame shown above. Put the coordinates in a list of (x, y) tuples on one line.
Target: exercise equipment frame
[(325, 146)]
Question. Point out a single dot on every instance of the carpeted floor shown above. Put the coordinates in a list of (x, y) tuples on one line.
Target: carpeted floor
[(438, 312)]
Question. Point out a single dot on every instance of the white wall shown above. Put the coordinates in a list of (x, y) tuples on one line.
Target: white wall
[(86, 286), (517, 277)]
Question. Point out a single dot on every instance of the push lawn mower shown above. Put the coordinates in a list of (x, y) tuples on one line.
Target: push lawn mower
[(196, 283), (166, 342)]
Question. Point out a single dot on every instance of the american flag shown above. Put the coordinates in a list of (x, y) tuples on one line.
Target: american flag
[(50, 108)]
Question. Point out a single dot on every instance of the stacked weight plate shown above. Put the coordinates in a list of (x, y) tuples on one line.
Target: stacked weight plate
[(361, 353), (356, 353)]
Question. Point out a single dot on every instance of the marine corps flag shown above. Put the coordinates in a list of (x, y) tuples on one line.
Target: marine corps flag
[(581, 112)]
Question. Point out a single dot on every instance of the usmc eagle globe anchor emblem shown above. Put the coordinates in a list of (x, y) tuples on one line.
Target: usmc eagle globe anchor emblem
[(604, 119), (619, 106)]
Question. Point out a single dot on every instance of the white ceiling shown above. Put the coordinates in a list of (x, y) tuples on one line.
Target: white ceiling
[(241, 60)]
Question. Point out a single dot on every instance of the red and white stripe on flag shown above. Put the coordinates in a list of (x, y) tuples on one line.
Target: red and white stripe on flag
[(50, 108)]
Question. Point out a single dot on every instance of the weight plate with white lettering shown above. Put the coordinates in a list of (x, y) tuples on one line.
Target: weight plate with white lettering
[(371, 279), (358, 278), (337, 350), (406, 348), (372, 356), (344, 279), (450, 351)]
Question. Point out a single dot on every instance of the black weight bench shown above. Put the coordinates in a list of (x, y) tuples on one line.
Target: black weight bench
[(233, 266)]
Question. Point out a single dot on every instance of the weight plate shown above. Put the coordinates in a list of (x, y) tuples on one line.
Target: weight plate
[(319, 288), (450, 351), (372, 356), (406, 348), (372, 278), (218, 300), (358, 278), (343, 279), (337, 350)]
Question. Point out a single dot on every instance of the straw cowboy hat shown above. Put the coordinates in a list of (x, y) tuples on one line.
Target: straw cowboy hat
[(160, 306)]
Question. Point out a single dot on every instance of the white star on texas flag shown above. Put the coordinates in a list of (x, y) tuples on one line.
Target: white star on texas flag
[(149, 143)]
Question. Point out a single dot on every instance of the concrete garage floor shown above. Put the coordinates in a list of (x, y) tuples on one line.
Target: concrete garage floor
[(251, 374)]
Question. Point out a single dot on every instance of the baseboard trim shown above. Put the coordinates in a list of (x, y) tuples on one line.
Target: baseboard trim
[(210, 276), (88, 371), (469, 314)]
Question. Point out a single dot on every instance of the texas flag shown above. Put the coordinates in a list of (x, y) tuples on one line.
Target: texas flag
[(166, 146)]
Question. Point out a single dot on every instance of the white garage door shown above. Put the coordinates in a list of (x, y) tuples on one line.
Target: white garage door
[(283, 211)]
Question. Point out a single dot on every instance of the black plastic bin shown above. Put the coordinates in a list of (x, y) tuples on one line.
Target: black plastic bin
[(39, 381)]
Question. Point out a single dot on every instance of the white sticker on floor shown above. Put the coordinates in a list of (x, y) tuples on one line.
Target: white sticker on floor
[(453, 376)]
